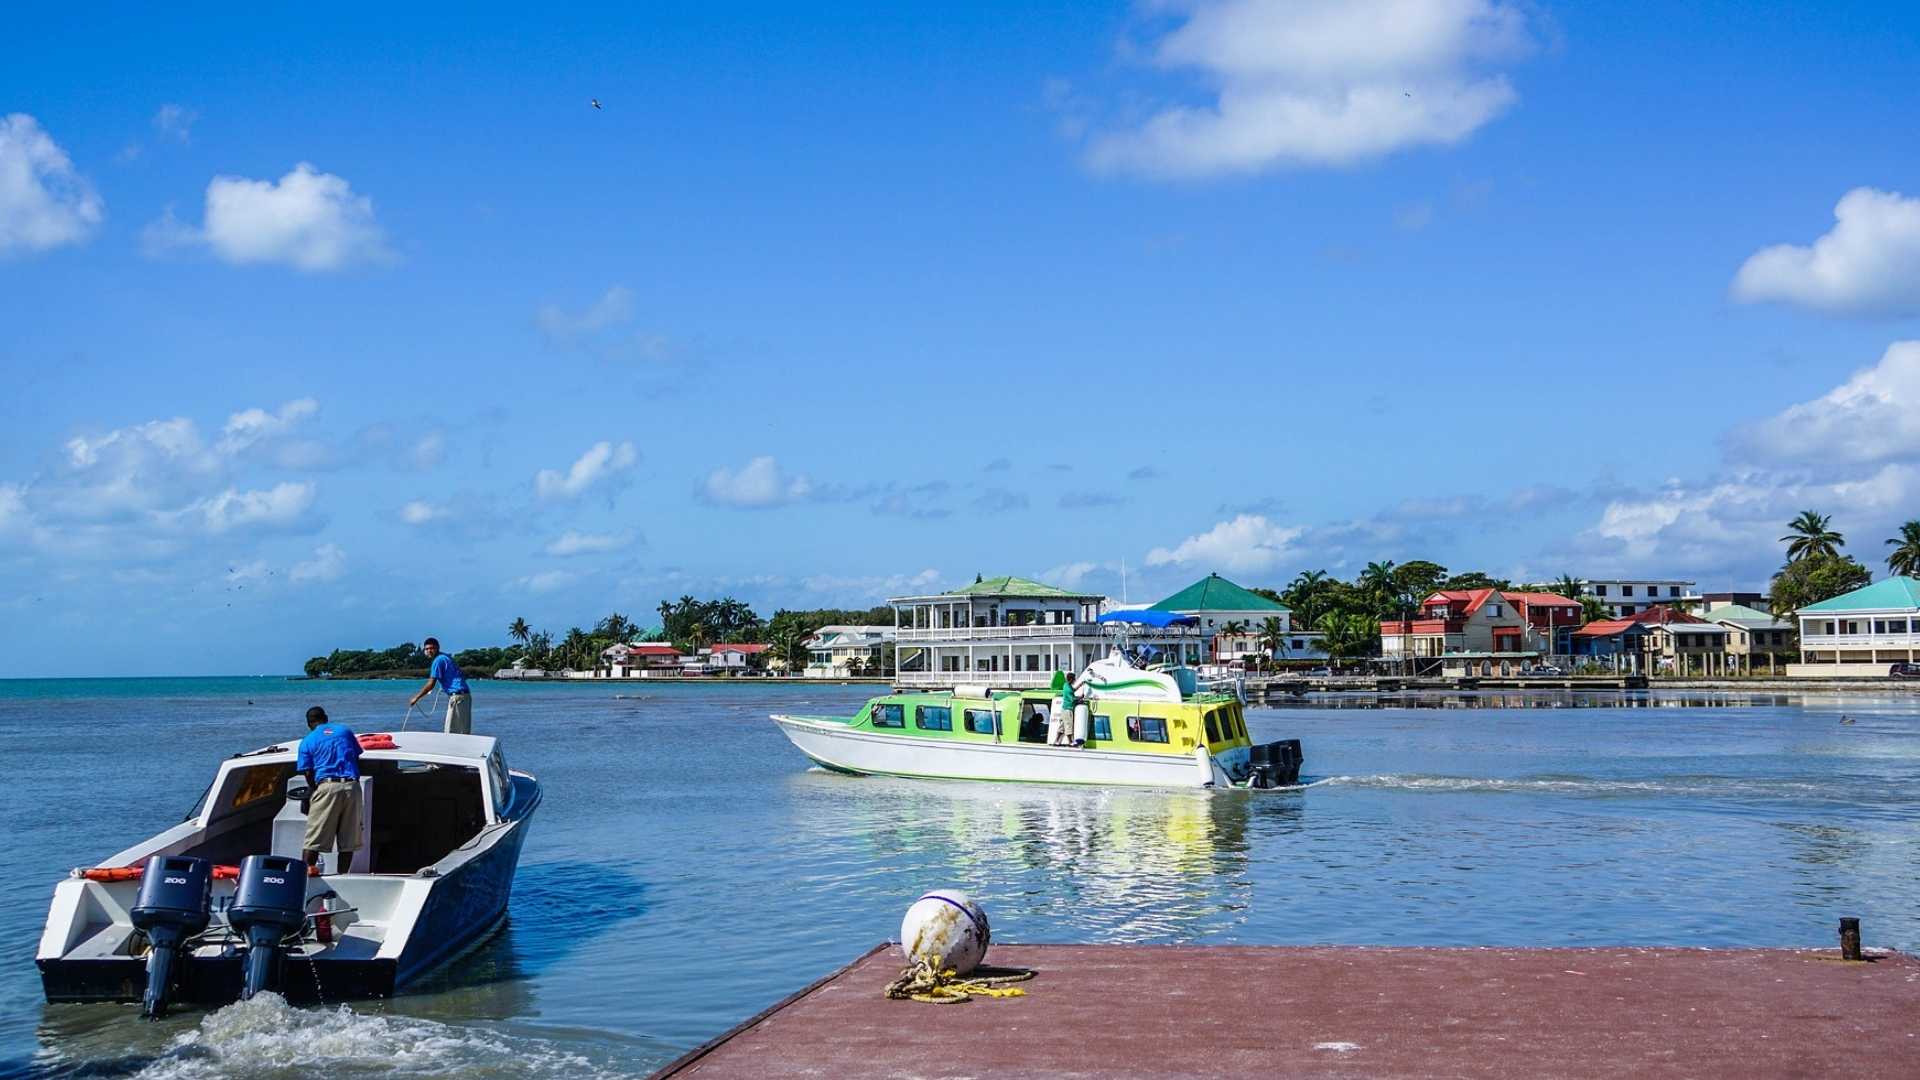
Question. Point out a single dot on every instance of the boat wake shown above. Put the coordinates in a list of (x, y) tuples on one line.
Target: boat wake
[(1687, 786), (267, 1038)]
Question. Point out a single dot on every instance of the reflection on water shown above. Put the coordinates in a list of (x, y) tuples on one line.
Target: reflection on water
[(1093, 864)]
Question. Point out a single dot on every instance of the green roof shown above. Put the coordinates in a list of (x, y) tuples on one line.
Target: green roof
[(1011, 586), (1215, 593), (1893, 594), (1739, 613)]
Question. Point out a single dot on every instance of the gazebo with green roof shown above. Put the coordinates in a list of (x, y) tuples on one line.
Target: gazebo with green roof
[(1219, 603)]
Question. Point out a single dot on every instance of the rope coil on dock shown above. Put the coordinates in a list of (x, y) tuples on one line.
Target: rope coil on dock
[(921, 982)]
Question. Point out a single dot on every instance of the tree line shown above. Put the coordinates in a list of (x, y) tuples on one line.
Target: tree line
[(689, 624)]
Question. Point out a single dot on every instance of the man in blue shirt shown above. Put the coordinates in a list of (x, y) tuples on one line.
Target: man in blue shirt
[(330, 758), (446, 675)]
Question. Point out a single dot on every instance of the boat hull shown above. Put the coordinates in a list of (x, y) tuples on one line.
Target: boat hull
[(461, 910), (833, 745)]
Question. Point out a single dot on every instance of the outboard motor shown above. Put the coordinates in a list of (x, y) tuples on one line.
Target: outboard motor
[(1274, 764), (269, 902), (175, 903)]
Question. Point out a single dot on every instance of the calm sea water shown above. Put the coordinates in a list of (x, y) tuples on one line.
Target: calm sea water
[(687, 867)]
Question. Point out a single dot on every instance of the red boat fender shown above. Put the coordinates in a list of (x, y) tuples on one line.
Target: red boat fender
[(378, 740), (134, 873)]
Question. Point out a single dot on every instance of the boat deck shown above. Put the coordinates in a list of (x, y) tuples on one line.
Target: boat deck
[(1119, 1010)]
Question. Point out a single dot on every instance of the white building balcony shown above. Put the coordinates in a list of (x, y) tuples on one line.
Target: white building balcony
[(999, 680), (964, 634), (1859, 641)]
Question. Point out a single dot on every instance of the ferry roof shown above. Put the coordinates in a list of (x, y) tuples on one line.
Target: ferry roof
[(435, 744)]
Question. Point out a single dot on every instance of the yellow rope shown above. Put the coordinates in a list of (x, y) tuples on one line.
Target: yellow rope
[(920, 982)]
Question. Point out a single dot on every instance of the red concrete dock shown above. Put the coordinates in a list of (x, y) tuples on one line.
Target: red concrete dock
[(1117, 1010)]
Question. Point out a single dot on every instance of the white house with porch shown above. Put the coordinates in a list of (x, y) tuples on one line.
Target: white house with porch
[(1862, 633), (832, 650), (1012, 632)]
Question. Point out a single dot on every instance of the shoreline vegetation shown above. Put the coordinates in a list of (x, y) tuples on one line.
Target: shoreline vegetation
[(1346, 614), (688, 624)]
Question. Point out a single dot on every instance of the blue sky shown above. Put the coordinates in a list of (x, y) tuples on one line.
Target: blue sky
[(345, 328)]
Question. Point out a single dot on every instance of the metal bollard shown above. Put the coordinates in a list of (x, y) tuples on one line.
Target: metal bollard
[(1849, 939)]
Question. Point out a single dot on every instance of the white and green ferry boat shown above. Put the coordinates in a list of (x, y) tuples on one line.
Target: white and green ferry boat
[(1115, 724)]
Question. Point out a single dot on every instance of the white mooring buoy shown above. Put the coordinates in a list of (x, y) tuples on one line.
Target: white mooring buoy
[(946, 930)]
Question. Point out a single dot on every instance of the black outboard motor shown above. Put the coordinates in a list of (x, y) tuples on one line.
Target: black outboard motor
[(269, 902), (175, 903), (1274, 764)]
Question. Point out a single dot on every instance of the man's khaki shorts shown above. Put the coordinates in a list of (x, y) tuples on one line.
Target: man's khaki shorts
[(459, 715), (333, 813)]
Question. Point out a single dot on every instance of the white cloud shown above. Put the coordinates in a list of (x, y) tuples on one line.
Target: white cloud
[(419, 512), (545, 581), (1247, 543), (44, 203), (579, 543), (1735, 523), (564, 327), (175, 123), (1868, 264), (430, 450), (602, 462), (1070, 575), (13, 507), (1874, 416), (129, 470), (1321, 82), (250, 426), (283, 506), (328, 564), (307, 219), (759, 483), (875, 587)]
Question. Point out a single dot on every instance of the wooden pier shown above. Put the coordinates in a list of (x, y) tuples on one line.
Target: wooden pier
[(1263, 689), (1205, 1011)]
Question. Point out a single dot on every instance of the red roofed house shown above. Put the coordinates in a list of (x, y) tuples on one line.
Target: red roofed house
[(623, 661), (737, 658), (1455, 621), (1654, 639)]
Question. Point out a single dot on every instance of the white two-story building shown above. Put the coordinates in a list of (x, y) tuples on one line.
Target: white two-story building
[(1860, 633)]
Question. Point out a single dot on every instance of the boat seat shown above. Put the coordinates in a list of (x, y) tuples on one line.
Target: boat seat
[(290, 830)]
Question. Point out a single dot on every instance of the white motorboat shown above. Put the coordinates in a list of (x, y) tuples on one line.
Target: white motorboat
[(213, 908), (1130, 726)]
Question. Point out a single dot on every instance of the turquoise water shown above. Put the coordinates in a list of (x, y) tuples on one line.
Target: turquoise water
[(687, 868)]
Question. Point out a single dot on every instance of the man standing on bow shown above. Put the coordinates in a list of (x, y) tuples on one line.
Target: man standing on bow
[(446, 675)]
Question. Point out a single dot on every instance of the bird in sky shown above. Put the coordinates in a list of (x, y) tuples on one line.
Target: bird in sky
[(596, 102)]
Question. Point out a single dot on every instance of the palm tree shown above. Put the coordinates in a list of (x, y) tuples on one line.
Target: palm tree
[(1348, 635), (519, 631), (1377, 579), (791, 649), (576, 651), (1569, 586), (1236, 628), (1273, 634), (1808, 535), (1905, 560), (1592, 610)]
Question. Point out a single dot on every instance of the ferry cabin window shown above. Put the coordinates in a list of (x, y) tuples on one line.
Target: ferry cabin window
[(1213, 728), (889, 716), (980, 721), (1146, 729), (1102, 729), (933, 718)]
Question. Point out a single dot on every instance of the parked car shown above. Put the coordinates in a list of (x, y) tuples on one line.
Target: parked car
[(1544, 670), (1904, 670)]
